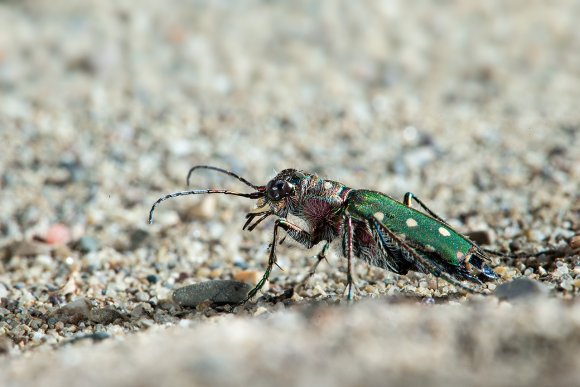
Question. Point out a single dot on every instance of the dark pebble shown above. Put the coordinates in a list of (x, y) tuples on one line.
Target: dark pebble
[(23, 249), (219, 292), (482, 237), (139, 311), (168, 305), (104, 316), (520, 288), (182, 277), (137, 237), (51, 321), (73, 312), (5, 345), (152, 278), (97, 336), (241, 264), (86, 244)]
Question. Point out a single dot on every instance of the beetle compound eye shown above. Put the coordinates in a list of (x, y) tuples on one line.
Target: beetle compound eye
[(287, 188), (279, 189)]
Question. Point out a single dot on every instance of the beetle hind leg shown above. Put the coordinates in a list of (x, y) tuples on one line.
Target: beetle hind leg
[(349, 277), (319, 258)]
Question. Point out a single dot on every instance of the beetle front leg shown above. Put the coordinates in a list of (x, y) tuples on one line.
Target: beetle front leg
[(296, 233)]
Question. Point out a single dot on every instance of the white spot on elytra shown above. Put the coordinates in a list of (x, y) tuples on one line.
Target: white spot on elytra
[(459, 255), (411, 222), (444, 232), (327, 185), (379, 216)]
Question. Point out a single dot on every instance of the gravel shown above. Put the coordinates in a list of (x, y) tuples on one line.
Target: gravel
[(105, 106)]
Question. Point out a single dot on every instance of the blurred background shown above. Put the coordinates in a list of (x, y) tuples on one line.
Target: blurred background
[(105, 105), (445, 99)]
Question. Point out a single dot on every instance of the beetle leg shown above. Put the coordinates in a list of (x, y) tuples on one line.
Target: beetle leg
[(409, 197), (349, 233), (250, 218), (296, 233), (319, 257)]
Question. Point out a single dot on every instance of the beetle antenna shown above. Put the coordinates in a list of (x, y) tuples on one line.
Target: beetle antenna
[(246, 182), (254, 195)]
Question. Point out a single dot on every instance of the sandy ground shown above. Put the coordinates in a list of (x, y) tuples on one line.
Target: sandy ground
[(105, 105)]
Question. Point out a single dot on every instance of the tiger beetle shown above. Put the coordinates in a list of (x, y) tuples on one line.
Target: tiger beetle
[(372, 226)]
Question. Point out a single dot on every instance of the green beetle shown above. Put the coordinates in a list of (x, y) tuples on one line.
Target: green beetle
[(371, 225)]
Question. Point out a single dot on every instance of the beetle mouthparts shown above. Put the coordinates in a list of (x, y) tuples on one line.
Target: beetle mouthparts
[(261, 207)]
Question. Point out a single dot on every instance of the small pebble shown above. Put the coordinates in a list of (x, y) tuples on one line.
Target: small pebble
[(167, 305), (520, 288), (24, 249), (142, 297), (567, 284), (167, 218), (137, 237), (534, 235), (504, 272), (241, 264), (247, 276), (500, 270), (575, 242), (261, 310), (96, 336), (146, 323), (561, 271), (5, 345), (218, 291), (38, 336), (57, 234), (542, 271), (152, 278), (3, 291), (87, 244), (139, 311), (203, 210), (104, 315), (73, 312), (482, 237)]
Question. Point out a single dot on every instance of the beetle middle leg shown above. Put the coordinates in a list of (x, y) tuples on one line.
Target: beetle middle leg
[(319, 258)]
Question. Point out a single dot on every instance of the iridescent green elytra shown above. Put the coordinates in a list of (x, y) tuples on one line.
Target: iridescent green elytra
[(370, 225), (410, 224)]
